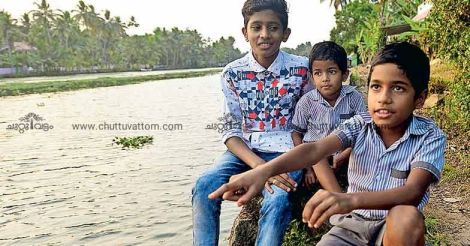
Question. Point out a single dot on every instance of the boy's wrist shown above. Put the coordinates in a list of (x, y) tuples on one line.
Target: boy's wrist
[(355, 200)]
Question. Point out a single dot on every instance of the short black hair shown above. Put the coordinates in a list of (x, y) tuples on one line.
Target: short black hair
[(329, 50), (410, 59), (278, 6)]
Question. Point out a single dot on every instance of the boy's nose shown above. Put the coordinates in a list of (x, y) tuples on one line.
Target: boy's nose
[(385, 97), (264, 32)]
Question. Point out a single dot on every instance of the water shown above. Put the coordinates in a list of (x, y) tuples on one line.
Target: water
[(69, 187)]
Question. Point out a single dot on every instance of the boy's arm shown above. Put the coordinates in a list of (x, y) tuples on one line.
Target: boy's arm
[(325, 204), (232, 136), (326, 176), (245, 186), (341, 158), (242, 151)]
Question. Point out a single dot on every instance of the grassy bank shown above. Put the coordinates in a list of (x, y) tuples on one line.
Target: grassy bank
[(16, 89)]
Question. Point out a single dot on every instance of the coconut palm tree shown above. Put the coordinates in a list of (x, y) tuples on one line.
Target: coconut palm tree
[(7, 31)]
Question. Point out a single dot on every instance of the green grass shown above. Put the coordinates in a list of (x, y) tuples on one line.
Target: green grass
[(16, 89), (434, 236)]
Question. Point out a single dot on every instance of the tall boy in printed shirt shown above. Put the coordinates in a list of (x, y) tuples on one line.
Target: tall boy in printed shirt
[(261, 90), (396, 156), (322, 109)]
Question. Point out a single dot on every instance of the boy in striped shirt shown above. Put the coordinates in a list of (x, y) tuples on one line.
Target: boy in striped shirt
[(396, 156), (321, 110)]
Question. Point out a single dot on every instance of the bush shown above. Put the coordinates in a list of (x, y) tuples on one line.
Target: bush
[(448, 31)]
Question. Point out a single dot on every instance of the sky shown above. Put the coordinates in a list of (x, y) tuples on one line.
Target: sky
[(308, 19)]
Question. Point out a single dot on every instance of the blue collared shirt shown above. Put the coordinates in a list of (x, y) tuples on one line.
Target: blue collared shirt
[(316, 118), (373, 167), (259, 102)]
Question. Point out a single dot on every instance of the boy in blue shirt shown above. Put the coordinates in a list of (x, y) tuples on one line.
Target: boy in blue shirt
[(322, 109), (260, 93), (396, 156)]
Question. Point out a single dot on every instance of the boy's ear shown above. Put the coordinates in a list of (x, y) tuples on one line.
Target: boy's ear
[(345, 75), (245, 34), (286, 35), (419, 101)]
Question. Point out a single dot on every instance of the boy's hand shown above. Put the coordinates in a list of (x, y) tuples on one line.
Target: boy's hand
[(282, 181), (242, 187), (309, 177), (324, 204)]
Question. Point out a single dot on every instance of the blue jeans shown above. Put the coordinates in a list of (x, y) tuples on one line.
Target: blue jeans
[(275, 213)]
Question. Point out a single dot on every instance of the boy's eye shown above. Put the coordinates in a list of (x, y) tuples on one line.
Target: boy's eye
[(333, 72), (374, 87), (273, 28), (398, 89), (255, 28), (316, 73)]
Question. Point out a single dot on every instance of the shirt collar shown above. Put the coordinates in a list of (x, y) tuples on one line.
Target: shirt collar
[(416, 127), (275, 67)]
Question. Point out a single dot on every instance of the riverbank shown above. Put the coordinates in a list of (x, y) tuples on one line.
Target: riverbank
[(21, 88)]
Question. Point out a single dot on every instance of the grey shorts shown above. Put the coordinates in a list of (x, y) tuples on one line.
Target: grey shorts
[(352, 229)]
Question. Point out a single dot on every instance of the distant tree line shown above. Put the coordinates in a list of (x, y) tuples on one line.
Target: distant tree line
[(67, 41)]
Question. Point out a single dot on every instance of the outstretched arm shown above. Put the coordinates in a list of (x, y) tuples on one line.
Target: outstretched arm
[(243, 187)]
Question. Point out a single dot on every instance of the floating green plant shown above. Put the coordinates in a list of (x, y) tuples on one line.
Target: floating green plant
[(136, 142)]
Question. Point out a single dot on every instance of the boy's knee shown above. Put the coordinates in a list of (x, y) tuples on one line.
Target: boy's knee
[(278, 201), (404, 226), (203, 185)]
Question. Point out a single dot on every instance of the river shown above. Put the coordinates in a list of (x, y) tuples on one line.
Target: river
[(73, 187)]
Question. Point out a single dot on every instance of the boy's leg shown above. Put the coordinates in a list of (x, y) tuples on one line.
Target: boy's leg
[(351, 230), (206, 212), (275, 213), (404, 226)]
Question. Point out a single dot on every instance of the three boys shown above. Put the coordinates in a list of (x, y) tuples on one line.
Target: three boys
[(395, 157)]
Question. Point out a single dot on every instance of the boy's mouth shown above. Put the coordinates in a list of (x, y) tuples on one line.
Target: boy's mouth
[(383, 113), (264, 45)]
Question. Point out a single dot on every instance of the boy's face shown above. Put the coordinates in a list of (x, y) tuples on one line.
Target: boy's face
[(391, 97), (328, 79), (265, 33)]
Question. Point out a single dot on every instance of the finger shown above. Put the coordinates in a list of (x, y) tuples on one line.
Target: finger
[(221, 190), (282, 186), (268, 187), (325, 216), (311, 181), (289, 180), (252, 192), (281, 181), (231, 196), (319, 211), (310, 206)]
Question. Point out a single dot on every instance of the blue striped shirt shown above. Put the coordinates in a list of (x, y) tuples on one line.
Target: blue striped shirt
[(259, 102), (316, 118), (373, 167)]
